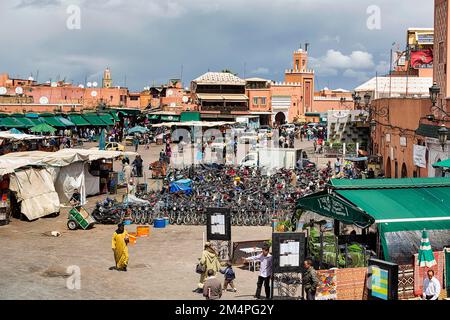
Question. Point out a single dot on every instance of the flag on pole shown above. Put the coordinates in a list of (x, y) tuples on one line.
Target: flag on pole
[(426, 255)]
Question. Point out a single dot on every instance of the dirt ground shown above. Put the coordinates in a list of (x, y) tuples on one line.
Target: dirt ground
[(160, 267), (35, 265)]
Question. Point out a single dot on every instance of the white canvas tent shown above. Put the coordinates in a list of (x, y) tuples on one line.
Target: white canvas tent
[(44, 180)]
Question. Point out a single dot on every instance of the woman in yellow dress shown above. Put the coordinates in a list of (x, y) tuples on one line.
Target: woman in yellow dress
[(120, 247)]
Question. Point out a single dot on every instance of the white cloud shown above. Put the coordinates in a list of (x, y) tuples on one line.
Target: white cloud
[(260, 70), (360, 76)]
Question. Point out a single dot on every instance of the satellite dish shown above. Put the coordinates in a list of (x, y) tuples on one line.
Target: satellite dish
[(81, 86), (173, 104), (43, 100), (19, 90), (54, 84), (94, 93), (3, 90), (169, 92), (186, 89), (94, 84), (47, 82), (89, 84), (185, 99), (31, 79)]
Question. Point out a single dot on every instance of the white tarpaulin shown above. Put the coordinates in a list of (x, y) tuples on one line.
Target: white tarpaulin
[(36, 192), (70, 178), (18, 137), (92, 183), (419, 156)]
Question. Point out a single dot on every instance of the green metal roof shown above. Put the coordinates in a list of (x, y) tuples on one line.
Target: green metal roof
[(78, 120), (94, 120), (444, 163), (54, 122)]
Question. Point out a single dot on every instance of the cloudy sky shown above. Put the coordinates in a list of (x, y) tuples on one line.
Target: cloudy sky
[(147, 42)]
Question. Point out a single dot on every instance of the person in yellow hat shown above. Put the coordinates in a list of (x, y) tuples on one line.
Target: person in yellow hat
[(120, 247)]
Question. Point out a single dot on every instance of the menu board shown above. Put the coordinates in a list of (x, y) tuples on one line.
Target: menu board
[(288, 250), (289, 253), (218, 226)]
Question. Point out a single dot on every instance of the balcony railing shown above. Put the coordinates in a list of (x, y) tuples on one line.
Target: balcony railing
[(224, 109)]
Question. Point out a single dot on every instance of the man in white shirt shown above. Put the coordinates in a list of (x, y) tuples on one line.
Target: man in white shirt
[(431, 287), (265, 271)]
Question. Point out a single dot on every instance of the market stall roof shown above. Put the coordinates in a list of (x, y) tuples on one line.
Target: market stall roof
[(43, 127), (28, 123), (54, 122), (66, 122), (11, 123), (16, 160), (395, 205), (115, 116), (94, 120), (18, 137), (107, 118), (442, 164), (207, 124), (356, 159), (78, 120)]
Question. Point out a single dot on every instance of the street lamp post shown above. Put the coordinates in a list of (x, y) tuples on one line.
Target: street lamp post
[(443, 136)]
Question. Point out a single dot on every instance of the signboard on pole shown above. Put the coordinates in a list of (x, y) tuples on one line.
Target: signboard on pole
[(419, 156), (218, 225), (288, 250)]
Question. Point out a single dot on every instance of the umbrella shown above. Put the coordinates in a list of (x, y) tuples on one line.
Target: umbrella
[(43, 127), (101, 143), (15, 131), (138, 129), (426, 255)]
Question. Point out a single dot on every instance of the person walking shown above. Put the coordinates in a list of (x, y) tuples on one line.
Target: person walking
[(210, 261), (212, 290), (431, 287), (136, 143), (120, 247), (138, 164), (265, 271), (310, 281), (229, 275)]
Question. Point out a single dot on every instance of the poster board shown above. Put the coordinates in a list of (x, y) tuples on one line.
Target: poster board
[(218, 225), (382, 280), (288, 250)]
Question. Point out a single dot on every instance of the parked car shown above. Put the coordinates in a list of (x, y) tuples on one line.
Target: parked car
[(129, 140), (114, 146)]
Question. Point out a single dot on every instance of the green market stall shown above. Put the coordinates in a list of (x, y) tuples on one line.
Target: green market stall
[(399, 208)]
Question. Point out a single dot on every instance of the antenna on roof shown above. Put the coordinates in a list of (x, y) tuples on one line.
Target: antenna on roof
[(306, 46)]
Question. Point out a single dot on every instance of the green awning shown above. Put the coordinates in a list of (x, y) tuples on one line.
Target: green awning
[(66, 122), (442, 164), (78, 120), (26, 122), (54, 122), (115, 116), (11, 123), (332, 206), (170, 118), (153, 117), (94, 120), (107, 118), (190, 116), (395, 205)]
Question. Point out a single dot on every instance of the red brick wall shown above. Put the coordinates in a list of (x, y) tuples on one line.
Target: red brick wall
[(351, 283)]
